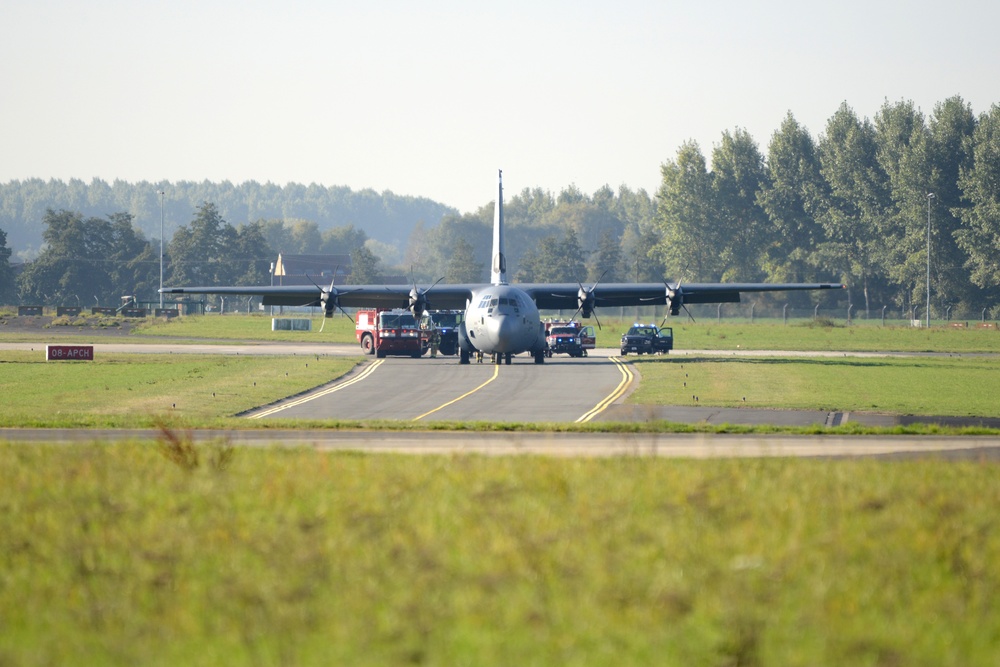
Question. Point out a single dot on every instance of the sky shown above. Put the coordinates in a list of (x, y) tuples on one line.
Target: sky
[(429, 99)]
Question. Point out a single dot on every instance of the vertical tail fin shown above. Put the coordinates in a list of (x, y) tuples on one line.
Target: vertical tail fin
[(499, 263)]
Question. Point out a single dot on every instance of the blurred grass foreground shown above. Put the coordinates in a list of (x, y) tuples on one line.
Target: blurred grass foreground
[(166, 553)]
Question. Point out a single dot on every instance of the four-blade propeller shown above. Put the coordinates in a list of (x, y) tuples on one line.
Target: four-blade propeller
[(675, 302), (586, 301), (418, 299)]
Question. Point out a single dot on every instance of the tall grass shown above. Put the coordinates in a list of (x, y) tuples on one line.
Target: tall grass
[(118, 554)]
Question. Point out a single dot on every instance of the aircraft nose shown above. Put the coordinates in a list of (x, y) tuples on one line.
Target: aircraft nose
[(501, 331)]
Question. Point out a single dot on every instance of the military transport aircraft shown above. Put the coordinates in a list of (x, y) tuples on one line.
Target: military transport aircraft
[(501, 319)]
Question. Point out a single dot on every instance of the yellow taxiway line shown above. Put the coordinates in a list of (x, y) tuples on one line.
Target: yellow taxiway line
[(496, 372), (337, 387), (619, 391)]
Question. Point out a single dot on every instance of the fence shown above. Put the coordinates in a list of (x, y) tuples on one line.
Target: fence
[(751, 311)]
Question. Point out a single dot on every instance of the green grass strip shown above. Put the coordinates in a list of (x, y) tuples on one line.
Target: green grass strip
[(167, 553)]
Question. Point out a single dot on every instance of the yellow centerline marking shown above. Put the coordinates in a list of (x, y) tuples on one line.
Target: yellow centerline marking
[(329, 390), (496, 372), (627, 376)]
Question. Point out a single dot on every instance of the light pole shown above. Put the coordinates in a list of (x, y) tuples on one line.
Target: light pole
[(160, 192), (930, 198)]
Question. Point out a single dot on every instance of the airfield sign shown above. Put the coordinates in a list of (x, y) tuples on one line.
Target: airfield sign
[(69, 352)]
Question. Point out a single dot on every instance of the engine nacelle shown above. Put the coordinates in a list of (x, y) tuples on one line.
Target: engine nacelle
[(418, 303), (330, 303), (675, 300), (585, 302)]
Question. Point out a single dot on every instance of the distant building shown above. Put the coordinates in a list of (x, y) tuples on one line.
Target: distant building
[(321, 270), (311, 269)]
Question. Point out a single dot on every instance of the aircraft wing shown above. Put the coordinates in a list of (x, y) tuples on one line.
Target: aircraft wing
[(547, 296), (567, 295), (348, 296)]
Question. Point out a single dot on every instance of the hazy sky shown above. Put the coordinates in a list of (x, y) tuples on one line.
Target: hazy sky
[(430, 98)]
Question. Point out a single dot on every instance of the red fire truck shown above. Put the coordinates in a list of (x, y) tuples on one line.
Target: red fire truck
[(570, 338), (382, 332)]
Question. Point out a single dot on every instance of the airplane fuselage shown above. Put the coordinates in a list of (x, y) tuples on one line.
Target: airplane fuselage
[(501, 319)]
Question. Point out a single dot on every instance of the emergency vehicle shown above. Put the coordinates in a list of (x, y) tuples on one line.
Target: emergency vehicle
[(647, 339), (570, 338), (446, 323), (383, 332)]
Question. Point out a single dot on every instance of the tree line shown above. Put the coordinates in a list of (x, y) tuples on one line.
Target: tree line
[(385, 217), (95, 261), (852, 206)]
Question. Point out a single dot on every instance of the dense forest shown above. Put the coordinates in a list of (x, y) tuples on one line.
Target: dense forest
[(385, 217), (860, 204)]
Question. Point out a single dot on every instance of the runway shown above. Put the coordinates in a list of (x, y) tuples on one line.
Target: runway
[(562, 390)]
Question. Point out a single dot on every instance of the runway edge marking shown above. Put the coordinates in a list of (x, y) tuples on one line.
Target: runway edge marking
[(619, 391), (496, 372), (329, 390)]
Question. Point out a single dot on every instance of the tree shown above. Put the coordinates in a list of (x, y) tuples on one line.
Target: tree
[(606, 263), (686, 214), (133, 264), (477, 230), (980, 233), (856, 198), (71, 267), (905, 157), (8, 289), (201, 254), (252, 255), (90, 259), (554, 261), (364, 266), (951, 127), (737, 176), (793, 184), (341, 240), (463, 267)]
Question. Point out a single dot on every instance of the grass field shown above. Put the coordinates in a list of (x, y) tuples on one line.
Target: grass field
[(705, 335), (338, 329), (133, 390), (141, 390), (958, 386), (163, 554), (764, 335)]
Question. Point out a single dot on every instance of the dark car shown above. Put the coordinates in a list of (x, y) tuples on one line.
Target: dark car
[(647, 339), (446, 322)]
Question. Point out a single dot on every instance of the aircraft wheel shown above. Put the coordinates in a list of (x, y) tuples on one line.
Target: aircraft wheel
[(507, 357), (463, 356)]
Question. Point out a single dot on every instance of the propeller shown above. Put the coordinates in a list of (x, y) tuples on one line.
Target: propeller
[(675, 301), (329, 299), (418, 299), (587, 301)]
